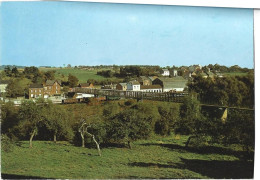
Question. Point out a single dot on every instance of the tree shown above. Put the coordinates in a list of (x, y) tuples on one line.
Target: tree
[(57, 120), (127, 126), (84, 130), (49, 75), (110, 110), (15, 72), (8, 71), (15, 88), (9, 118), (192, 122), (72, 80), (30, 115), (169, 115)]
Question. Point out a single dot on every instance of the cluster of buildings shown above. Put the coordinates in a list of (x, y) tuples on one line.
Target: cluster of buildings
[(167, 81), (152, 84)]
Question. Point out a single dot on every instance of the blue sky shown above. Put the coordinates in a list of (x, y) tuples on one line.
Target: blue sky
[(79, 33)]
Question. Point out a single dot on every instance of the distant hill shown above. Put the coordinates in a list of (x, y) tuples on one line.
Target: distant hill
[(2, 67)]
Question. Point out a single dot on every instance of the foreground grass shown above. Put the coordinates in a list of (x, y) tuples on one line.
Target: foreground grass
[(157, 158)]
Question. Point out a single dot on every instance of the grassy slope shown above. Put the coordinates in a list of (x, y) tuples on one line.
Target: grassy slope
[(82, 75), (157, 158)]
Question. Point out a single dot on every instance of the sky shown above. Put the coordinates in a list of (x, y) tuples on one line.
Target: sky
[(81, 33)]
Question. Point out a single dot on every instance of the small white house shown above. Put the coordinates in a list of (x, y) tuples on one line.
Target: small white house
[(133, 86), (165, 72)]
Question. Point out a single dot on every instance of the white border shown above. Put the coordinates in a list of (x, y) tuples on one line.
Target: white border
[(207, 3), (257, 85), (212, 3)]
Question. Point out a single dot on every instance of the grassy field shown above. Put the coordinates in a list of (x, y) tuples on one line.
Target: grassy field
[(162, 157), (82, 75)]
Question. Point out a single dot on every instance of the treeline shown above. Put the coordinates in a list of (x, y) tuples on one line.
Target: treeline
[(131, 71), (229, 91), (125, 122)]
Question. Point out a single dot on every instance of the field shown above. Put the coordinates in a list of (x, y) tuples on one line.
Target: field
[(161, 157), (82, 75)]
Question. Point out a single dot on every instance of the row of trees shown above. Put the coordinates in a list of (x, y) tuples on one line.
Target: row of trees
[(124, 123), (231, 91), (131, 71)]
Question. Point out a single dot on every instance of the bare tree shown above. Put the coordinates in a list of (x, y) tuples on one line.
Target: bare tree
[(83, 129)]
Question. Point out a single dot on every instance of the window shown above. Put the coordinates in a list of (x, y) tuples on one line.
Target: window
[(31, 95), (56, 92), (40, 90), (31, 90)]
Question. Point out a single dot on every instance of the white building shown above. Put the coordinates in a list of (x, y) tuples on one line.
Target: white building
[(165, 72), (151, 88), (133, 86)]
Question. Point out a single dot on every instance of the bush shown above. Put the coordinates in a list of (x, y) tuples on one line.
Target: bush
[(6, 143)]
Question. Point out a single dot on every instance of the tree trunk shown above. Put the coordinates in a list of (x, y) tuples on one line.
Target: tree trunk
[(54, 138), (188, 141), (129, 144), (82, 139), (32, 135), (99, 152)]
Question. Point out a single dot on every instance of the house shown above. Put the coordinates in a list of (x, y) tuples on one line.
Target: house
[(52, 87), (36, 91), (151, 88), (121, 86), (86, 85), (165, 72), (174, 73), (109, 86), (133, 86), (171, 84), (3, 85), (143, 80)]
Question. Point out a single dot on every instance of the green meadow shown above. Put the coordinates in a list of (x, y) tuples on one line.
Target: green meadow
[(160, 157), (81, 74)]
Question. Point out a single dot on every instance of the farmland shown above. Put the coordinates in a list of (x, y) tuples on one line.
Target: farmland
[(158, 157), (82, 75)]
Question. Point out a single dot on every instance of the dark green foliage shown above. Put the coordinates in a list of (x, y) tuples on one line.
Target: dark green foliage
[(57, 121), (30, 115), (6, 143), (190, 117), (106, 73), (34, 74), (110, 110), (49, 75), (129, 125), (169, 115), (231, 91), (240, 129), (15, 89), (9, 119), (72, 81)]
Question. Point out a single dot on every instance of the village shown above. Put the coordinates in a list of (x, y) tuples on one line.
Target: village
[(168, 80)]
